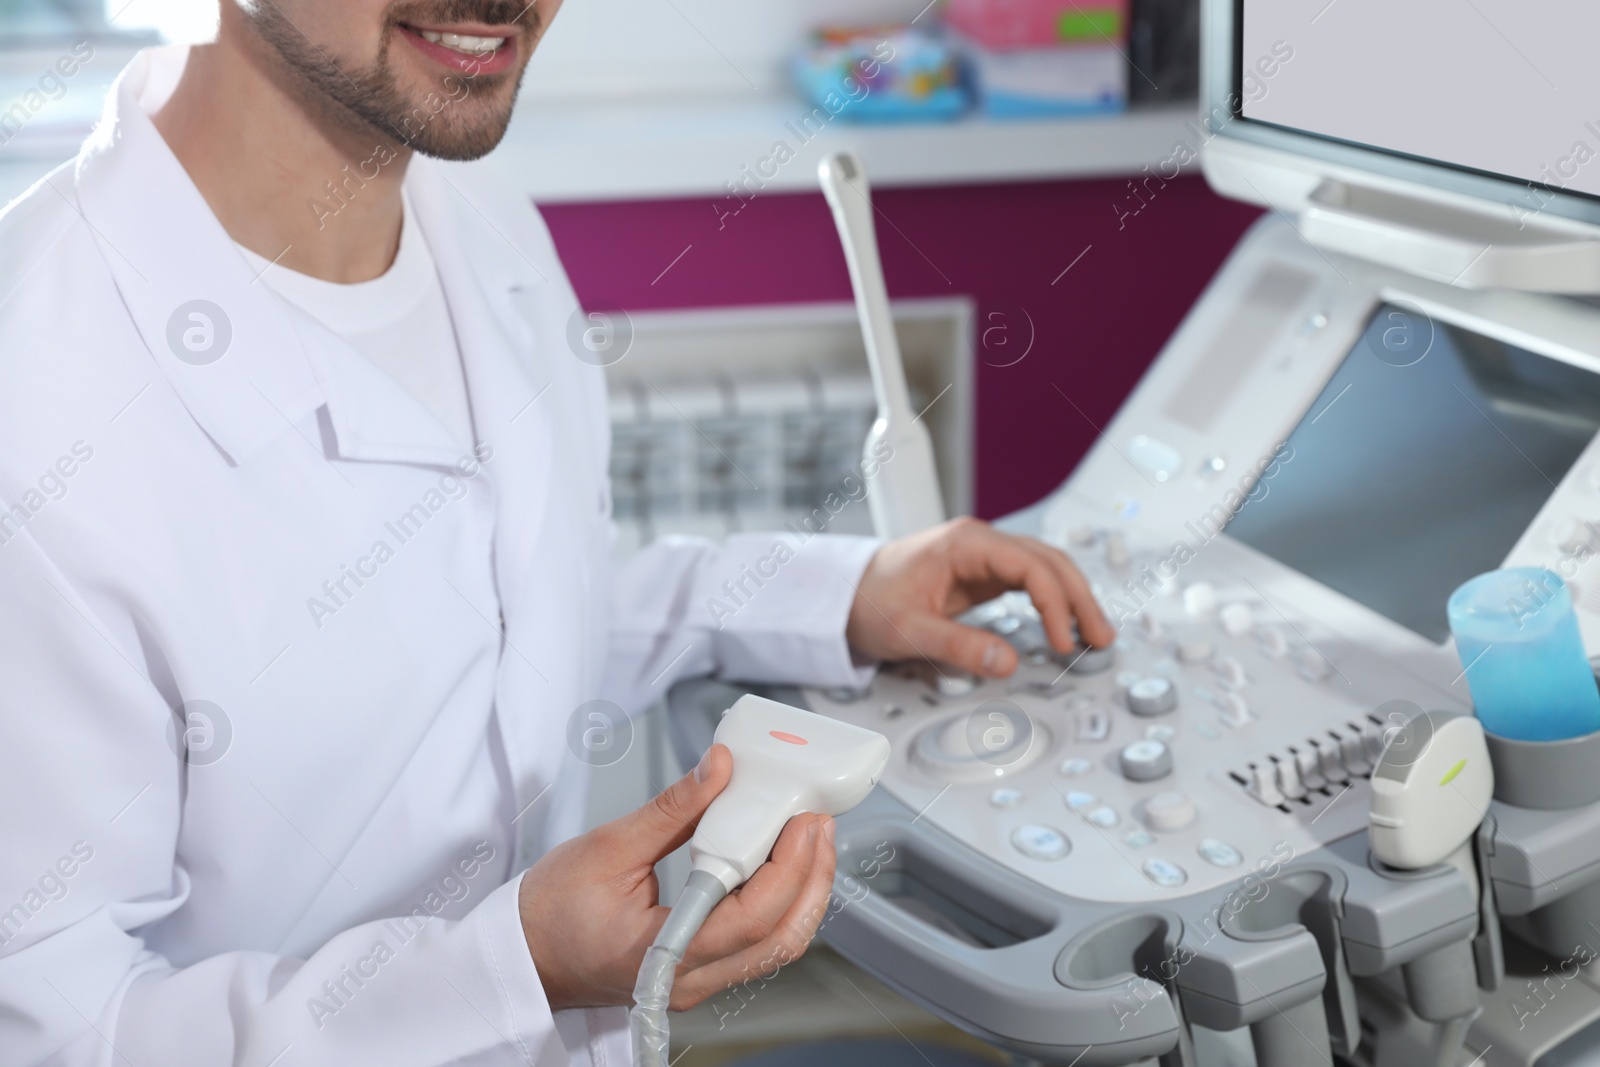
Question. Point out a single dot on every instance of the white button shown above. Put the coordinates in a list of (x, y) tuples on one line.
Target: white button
[(1077, 800), (1236, 619), (1159, 732), (1195, 650), (1230, 672), (1081, 536), (1274, 642), (1006, 798), (1075, 767), (1235, 712), (1094, 725), (1312, 665), (1167, 812), (953, 683), (1199, 598), (1219, 853), (1164, 874), (1117, 554), (1137, 839), (1105, 817), (1040, 842)]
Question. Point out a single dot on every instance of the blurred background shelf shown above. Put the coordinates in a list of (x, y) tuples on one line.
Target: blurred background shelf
[(700, 146)]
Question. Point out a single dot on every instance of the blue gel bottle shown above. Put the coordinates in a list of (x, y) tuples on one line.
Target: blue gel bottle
[(1518, 640)]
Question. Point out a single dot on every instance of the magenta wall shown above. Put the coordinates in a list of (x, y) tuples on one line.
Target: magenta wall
[(1096, 327)]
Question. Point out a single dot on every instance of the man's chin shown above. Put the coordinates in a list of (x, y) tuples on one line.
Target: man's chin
[(454, 137), (460, 149)]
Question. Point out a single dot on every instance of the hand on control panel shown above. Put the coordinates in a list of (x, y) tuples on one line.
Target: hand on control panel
[(906, 599)]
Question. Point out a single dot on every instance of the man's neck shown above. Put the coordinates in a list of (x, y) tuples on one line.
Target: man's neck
[(306, 194)]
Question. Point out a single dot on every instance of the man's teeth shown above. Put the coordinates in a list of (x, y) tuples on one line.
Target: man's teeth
[(460, 42)]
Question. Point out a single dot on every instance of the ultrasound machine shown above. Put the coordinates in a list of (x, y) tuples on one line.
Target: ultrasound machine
[(1163, 852)]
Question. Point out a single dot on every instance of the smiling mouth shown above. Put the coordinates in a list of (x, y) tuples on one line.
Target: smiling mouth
[(481, 52), (467, 45)]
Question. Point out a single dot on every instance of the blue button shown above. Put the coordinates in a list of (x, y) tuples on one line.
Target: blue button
[(1219, 853), (1040, 842), (1164, 874), (1106, 817), (1006, 798)]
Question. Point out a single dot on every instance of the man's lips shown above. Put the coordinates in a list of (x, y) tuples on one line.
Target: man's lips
[(466, 50)]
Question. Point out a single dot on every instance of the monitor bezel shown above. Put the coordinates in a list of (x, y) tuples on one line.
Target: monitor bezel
[(1221, 79)]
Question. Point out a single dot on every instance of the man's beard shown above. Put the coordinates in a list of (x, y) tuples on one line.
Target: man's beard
[(448, 122)]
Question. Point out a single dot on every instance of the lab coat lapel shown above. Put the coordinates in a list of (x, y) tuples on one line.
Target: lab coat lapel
[(219, 337)]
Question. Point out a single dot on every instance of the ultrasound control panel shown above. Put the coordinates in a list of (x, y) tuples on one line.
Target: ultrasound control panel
[(1216, 733), (1273, 521)]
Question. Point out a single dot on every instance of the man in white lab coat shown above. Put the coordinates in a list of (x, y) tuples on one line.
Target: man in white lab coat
[(304, 530)]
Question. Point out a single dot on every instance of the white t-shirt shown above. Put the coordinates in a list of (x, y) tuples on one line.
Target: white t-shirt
[(398, 320)]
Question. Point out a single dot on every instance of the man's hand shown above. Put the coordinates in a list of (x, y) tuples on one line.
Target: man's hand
[(589, 906), (914, 585)]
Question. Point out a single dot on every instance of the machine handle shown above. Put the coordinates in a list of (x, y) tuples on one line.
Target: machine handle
[(915, 911)]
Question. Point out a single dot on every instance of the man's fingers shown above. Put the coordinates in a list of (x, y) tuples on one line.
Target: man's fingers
[(946, 641), (785, 940), (1093, 626), (648, 834)]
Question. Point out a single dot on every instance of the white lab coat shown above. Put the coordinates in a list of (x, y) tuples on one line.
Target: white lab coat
[(172, 527)]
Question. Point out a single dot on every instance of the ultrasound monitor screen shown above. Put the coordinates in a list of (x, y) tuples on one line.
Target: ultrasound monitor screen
[(1420, 465), (1504, 87)]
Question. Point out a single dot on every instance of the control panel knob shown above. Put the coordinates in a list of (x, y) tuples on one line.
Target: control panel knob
[(1145, 761), (1289, 783), (1332, 767), (1235, 709), (1087, 659), (1264, 784), (1309, 767), (1199, 598), (1153, 695), (1353, 754), (1169, 812), (1117, 554), (1236, 619)]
